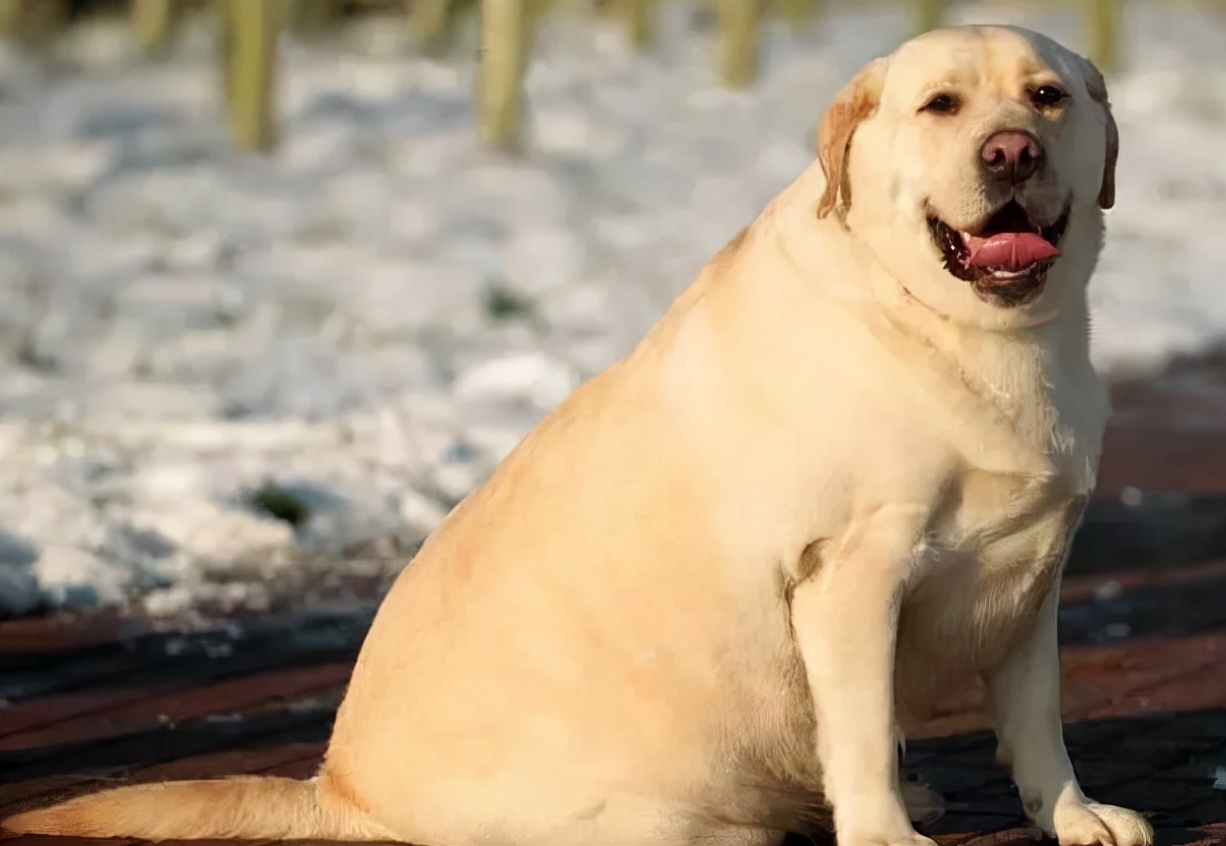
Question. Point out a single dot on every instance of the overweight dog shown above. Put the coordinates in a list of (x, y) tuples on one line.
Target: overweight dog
[(700, 602)]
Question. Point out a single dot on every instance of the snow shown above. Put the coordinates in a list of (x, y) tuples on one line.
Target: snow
[(370, 319)]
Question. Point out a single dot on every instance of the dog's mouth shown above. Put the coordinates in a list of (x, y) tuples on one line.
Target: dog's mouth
[(1007, 259)]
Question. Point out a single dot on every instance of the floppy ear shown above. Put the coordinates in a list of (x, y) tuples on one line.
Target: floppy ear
[(1097, 86), (857, 100)]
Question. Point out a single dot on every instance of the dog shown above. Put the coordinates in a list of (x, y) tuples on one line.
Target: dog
[(702, 601)]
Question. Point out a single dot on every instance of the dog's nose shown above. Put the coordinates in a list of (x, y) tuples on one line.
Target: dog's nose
[(1013, 154)]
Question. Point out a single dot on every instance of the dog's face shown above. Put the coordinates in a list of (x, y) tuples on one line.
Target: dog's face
[(974, 162)]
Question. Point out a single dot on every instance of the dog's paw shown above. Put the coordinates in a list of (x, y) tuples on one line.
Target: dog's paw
[(1091, 824)]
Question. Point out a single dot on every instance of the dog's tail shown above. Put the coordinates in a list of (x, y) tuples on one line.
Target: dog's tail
[(243, 808)]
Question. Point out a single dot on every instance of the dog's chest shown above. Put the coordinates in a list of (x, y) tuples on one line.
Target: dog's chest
[(998, 542), (993, 555), (1011, 524), (1023, 480)]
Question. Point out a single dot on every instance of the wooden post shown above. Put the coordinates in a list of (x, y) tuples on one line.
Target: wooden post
[(310, 17), (249, 39), (930, 14), (638, 21), (151, 20), (10, 18), (800, 14), (1103, 28), (504, 59), (430, 19), (738, 25)]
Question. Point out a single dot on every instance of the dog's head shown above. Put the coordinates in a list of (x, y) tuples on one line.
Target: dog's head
[(974, 162)]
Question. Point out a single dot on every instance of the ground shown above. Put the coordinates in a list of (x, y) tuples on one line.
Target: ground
[(350, 333), (101, 698)]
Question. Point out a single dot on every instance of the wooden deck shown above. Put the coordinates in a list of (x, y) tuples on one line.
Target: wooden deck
[(101, 699)]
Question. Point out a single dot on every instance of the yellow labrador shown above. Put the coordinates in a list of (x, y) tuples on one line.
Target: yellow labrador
[(839, 476)]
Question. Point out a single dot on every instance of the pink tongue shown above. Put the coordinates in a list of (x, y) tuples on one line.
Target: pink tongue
[(1009, 250)]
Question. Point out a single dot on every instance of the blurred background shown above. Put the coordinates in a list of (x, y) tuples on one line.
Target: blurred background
[(282, 280)]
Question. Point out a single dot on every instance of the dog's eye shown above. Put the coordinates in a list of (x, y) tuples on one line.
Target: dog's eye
[(1047, 95), (945, 104)]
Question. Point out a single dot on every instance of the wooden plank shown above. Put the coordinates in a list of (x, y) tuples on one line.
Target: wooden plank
[(265, 760), (185, 739), (235, 697), (260, 645), (1082, 588), (1192, 462), (68, 632), (270, 760), (44, 711), (45, 840), (30, 793), (304, 767)]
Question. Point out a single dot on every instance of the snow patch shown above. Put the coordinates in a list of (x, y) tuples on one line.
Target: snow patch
[(371, 318)]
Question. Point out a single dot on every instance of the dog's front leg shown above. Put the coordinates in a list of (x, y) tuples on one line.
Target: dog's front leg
[(845, 618), (1025, 696)]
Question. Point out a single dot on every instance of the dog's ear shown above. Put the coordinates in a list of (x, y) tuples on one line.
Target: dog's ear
[(857, 100), (1097, 87)]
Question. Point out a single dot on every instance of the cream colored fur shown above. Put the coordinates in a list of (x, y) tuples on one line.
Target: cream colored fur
[(695, 602)]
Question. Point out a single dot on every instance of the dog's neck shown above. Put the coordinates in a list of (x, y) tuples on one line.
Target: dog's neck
[(1038, 379)]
